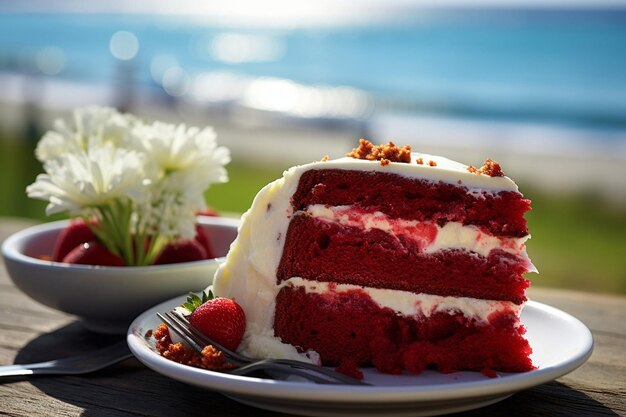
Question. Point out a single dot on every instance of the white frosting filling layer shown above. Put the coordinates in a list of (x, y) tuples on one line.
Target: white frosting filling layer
[(410, 304), (249, 273), (430, 236)]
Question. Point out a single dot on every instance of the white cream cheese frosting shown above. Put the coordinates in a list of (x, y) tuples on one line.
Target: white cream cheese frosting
[(249, 273), (410, 304), (452, 235)]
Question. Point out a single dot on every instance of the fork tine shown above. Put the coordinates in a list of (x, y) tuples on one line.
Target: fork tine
[(181, 331), (189, 337), (198, 340), (192, 336)]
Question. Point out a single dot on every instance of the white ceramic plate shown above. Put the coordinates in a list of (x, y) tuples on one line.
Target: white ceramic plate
[(560, 342)]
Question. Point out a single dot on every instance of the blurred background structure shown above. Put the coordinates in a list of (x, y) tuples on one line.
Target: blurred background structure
[(540, 86)]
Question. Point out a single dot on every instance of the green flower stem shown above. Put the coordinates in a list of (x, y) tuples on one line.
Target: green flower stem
[(140, 241), (145, 244), (157, 243), (127, 235), (110, 224), (115, 230), (103, 235)]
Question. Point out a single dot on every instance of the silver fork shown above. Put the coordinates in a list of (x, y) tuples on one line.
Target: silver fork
[(75, 365), (245, 365)]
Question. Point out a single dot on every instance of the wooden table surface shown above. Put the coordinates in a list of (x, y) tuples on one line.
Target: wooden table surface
[(30, 332)]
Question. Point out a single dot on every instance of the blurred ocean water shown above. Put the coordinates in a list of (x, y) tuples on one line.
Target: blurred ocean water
[(566, 67)]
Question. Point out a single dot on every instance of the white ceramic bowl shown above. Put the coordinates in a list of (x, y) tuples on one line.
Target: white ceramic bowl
[(107, 298)]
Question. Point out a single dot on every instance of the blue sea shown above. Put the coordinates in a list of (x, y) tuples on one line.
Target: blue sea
[(563, 67)]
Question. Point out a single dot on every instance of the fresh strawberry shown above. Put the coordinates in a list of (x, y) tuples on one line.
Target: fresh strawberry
[(184, 250), (74, 234), (221, 319), (209, 211), (93, 253), (202, 237), (202, 234)]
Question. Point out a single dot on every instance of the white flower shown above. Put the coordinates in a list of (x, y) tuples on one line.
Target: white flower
[(143, 184), (190, 153), (92, 127), (84, 180), (176, 215), (171, 207), (186, 161)]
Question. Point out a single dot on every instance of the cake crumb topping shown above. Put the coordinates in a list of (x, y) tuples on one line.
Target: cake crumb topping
[(383, 153), (420, 161), (210, 358), (490, 168)]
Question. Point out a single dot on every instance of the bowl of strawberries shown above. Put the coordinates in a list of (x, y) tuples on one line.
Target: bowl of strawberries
[(133, 191), (61, 265)]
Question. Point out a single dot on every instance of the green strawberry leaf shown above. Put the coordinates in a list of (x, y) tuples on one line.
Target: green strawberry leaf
[(194, 300)]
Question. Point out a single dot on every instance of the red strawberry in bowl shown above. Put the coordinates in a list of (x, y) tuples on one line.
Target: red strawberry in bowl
[(93, 253), (209, 211), (74, 234), (202, 237), (184, 250), (221, 319)]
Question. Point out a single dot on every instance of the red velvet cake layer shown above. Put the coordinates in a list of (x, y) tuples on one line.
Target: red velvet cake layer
[(323, 251), (349, 325), (411, 199)]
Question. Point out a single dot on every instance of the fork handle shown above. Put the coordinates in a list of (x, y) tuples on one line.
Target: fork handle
[(321, 370), (281, 369), (75, 365), (23, 370)]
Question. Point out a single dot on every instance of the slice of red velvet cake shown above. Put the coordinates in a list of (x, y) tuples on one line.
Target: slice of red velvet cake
[(386, 258)]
